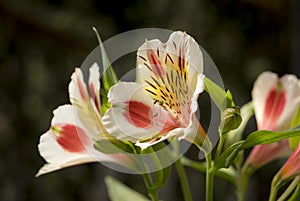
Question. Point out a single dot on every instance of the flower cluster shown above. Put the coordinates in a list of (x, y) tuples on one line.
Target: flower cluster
[(159, 108)]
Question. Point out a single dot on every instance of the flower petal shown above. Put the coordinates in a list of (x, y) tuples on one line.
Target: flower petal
[(89, 111), (275, 100), (291, 168), (263, 154), (69, 114), (94, 86), (133, 116), (151, 55), (77, 88), (147, 143), (58, 158), (187, 51), (53, 153), (170, 74), (291, 86), (261, 88), (70, 137)]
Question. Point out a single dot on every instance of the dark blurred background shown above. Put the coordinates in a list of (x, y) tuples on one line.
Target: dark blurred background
[(41, 41)]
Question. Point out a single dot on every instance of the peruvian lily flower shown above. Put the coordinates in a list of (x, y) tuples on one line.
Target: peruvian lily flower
[(291, 168), (275, 103), (163, 101), (74, 127)]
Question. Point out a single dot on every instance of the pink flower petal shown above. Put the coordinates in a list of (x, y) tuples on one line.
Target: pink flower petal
[(291, 168), (263, 154)]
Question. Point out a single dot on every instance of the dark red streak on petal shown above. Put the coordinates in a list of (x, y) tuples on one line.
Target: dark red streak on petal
[(155, 63), (93, 95), (70, 138), (82, 90), (275, 103), (138, 114)]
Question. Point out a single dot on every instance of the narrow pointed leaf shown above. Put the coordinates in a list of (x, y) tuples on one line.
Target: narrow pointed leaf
[(120, 192), (217, 94), (294, 141), (267, 137), (109, 77), (255, 138), (227, 157), (220, 97)]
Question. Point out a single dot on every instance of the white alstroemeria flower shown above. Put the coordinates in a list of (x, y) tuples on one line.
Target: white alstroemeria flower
[(73, 128), (276, 101), (163, 102)]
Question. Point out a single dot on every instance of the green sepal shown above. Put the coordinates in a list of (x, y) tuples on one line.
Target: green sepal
[(110, 145), (117, 191), (294, 141)]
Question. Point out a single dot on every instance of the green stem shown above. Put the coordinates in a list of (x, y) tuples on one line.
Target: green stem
[(274, 189), (273, 194), (228, 174), (220, 146), (151, 192), (184, 181), (209, 178), (242, 184), (290, 189), (181, 174)]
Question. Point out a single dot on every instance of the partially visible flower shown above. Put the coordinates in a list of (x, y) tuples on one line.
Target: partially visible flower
[(73, 128), (263, 154), (163, 102), (275, 103), (291, 168)]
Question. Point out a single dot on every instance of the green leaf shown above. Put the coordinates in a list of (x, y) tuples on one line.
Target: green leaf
[(227, 157), (217, 94), (120, 192), (230, 120), (296, 121), (255, 138), (109, 77), (267, 137), (110, 145)]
